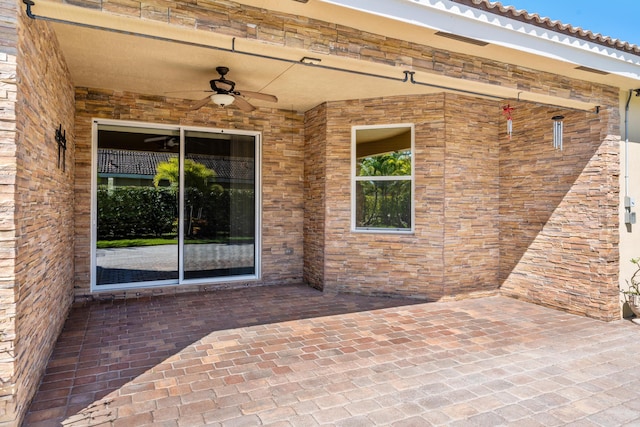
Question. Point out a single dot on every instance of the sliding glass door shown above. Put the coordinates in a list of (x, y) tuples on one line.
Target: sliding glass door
[(219, 200), (136, 216), (173, 205)]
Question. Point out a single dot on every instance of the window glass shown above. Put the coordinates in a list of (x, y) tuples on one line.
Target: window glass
[(174, 206), (219, 205), (136, 217), (383, 172)]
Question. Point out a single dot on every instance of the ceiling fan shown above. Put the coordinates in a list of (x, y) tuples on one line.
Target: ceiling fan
[(225, 93), (168, 142)]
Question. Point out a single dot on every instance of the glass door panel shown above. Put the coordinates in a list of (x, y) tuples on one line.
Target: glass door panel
[(137, 205), (219, 223)]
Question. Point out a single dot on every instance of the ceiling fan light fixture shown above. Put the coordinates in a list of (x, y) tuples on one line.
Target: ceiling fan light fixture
[(222, 99)]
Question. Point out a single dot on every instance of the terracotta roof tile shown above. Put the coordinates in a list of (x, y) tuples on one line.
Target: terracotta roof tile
[(557, 26), (127, 162)]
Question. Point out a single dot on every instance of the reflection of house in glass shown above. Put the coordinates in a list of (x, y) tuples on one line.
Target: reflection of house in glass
[(137, 168)]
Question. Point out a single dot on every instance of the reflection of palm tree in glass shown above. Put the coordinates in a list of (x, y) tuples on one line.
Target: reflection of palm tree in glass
[(385, 201), (198, 188), (391, 164), (196, 175)]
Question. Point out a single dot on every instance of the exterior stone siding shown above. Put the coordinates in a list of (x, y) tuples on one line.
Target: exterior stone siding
[(282, 177), (559, 212), (387, 264), (315, 195), (8, 294), (36, 256), (455, 248), (315, 36), (493, 214), (460, 186)]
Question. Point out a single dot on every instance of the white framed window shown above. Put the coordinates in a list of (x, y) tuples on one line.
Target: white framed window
[(382, 169)]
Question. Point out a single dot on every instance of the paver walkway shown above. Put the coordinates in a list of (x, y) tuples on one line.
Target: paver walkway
[(293, 356)]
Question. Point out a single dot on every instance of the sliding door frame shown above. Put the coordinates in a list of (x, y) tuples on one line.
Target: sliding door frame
[(181, 281)]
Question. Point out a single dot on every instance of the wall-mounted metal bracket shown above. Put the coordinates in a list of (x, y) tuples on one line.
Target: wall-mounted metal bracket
[(29, 3), (408, 76), (61, 139)]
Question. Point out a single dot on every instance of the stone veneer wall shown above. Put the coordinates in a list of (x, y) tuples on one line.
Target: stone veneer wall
[(466, 236), (559, 212), (36, 226), (493, 214), (454, 249), (282, 175), (471, 194), (8, 294), (304, 34), (315, 179)]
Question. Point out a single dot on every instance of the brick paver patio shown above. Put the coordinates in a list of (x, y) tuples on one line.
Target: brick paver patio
[(293, 356)]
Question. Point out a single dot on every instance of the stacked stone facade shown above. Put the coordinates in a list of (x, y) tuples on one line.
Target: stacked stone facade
[(315, 178), (36, 189), (8, 297), (558, 212), (384, 264), (282, 172), (462, 192), (493, 214)]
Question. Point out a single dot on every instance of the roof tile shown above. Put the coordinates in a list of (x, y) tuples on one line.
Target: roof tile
[(128, 162), (554, 25)]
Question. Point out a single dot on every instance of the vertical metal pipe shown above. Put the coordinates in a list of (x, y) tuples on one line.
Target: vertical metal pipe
[(626, 145)]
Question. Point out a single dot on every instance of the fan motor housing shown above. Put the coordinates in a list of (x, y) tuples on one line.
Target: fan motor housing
[(222, 85)]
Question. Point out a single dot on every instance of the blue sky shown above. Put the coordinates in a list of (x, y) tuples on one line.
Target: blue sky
[(615, 18)]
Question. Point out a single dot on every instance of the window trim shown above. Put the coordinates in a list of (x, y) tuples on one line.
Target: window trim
[(355, 178)]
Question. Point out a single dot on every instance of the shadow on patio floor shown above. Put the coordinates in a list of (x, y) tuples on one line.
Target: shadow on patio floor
[(106, 345), (293, 356)]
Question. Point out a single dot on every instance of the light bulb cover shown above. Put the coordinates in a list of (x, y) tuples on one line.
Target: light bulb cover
[(222, 99)]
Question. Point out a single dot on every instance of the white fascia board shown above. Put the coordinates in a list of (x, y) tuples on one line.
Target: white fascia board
[(442, 15)]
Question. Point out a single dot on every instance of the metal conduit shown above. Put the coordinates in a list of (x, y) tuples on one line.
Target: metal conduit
[(408, 75)]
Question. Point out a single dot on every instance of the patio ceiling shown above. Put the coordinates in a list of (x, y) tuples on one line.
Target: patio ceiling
[(183, 70), (150, 58)]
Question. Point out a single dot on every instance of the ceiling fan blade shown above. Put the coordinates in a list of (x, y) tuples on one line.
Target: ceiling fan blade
[(243, 104), (258, 95), (201, 103), (157, 138), (186, 91)]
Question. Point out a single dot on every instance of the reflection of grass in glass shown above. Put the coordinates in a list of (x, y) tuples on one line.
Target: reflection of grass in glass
[(127, 243)]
